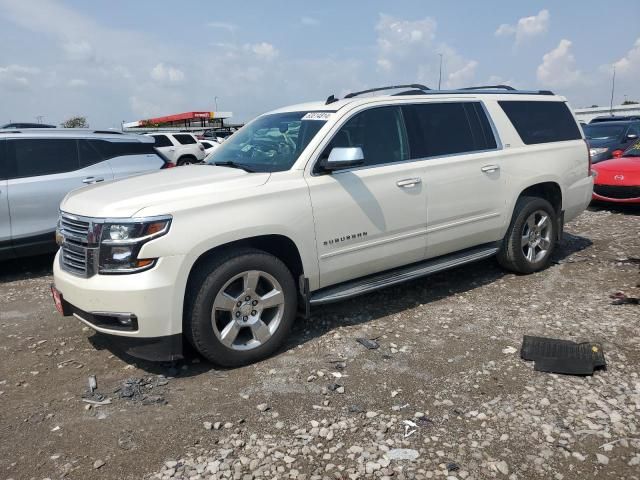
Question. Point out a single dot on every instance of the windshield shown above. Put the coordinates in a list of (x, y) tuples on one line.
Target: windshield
[(271, 143), (602, 132), (633, 151)]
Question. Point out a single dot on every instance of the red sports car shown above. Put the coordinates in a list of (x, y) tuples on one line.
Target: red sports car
[(618, 180)]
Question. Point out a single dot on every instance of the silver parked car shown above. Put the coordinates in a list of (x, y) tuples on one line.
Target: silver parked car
[(38, 167)]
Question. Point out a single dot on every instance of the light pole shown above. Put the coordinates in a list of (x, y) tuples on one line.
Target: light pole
[(613, 88), (440, 74), (215, 100)]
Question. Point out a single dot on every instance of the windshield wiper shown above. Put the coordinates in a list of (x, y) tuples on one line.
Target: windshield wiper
[(231, 164)]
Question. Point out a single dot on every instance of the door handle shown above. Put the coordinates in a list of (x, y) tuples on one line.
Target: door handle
[(490, 168), (408, 182), (90, 180)]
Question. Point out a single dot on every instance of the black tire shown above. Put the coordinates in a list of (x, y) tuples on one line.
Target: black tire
[(186, 160), (208, 281), (511, 255)]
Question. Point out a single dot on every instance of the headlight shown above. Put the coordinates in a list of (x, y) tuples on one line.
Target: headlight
[(121, 243), (597, 151)]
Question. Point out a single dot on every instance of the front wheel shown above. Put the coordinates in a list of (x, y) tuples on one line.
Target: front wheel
[(244, 306), (531, 238)]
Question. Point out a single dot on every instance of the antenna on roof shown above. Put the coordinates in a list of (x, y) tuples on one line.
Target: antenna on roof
[(331, 99)]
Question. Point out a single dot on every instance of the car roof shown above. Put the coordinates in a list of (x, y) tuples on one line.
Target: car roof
[(432, 95), (622, 123), (111, 135)]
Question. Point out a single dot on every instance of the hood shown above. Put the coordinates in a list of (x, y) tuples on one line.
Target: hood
[(618, 171), (123, 198)]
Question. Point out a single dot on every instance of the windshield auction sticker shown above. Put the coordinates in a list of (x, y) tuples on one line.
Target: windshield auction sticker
[(317, 116)]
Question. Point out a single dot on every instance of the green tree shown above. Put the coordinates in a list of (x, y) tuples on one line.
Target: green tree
[(630, 102), (75, 122)]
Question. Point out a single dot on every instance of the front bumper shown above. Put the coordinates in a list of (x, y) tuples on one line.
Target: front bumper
[(152, 297), (628, 201)]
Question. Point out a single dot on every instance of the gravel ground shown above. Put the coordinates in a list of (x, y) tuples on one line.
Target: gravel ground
[(445, 395)]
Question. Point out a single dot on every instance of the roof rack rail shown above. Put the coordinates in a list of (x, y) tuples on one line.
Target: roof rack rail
[(390, 87), (115, 132), (490, 87)]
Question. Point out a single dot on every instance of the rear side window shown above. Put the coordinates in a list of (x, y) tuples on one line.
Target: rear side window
[(436, 129), (88, 154), (4, 168), (109, 150), (379, 132), (162, 141), (34, 157), (541, 122), (185, 139)]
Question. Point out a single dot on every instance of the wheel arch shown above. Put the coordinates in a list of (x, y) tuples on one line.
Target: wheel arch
[(549, 190), (278, 245)]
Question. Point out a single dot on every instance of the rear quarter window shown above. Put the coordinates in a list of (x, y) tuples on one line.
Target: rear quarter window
[(162, 141), (4, 169), (185, 139), (541, 122)]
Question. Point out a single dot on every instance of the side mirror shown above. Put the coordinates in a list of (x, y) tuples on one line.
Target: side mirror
[(341, 158)]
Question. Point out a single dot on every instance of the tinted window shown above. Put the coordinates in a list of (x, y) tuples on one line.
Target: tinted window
[(109, 149), (447, 128), (162, 141), (603, 131), (3, 161), (541, 122), (88, 154), (206, 144), (379, 132), (184, 139), (33, 157)]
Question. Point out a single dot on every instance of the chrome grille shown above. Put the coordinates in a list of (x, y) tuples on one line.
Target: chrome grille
[(79, 245)]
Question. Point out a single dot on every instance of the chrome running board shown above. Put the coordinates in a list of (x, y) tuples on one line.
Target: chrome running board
[(377, 281)]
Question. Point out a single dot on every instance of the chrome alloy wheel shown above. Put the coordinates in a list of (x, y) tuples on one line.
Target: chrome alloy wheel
[(247, 310), (536, 236)]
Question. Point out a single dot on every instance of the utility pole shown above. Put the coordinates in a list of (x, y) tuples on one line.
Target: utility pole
[(440, 74), (613, 88), (215, 100)]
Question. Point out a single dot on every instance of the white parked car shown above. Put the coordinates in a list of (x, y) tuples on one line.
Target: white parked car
[(209, 146), (179, 148), (319, 202)]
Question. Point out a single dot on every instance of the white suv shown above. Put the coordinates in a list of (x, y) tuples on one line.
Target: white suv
[(179, 148), (316, 203)]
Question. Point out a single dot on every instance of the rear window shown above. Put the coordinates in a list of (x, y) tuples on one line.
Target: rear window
[(162, 141), (541, 122), (185, 139), (109, 150)]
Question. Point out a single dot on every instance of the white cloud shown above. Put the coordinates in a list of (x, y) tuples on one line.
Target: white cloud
[(309, 21), (527, 27), (17, 77), (78, 50), (264, 50), (230, 27), (167, 74), (409, 50), (629, 65), (77, 83), (558, 67)]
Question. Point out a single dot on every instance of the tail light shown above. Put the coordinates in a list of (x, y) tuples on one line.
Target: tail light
[(617, 153), (167, 165)]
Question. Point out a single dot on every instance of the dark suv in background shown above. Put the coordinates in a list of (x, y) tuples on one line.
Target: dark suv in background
[(609, 139)]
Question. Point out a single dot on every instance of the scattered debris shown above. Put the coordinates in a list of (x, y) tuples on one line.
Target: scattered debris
[(93, 383), (509, 350), (368, 343), (98, 464), (562, 356), (620, 298), (402, 454), (97, 403), (453, 467), (135, 389), (263, 407)]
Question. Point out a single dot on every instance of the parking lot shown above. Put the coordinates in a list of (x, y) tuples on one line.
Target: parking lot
[(327, 407)]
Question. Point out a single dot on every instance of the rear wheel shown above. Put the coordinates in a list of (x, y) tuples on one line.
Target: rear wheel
[(531, 238), (243, 307), (186, 161)]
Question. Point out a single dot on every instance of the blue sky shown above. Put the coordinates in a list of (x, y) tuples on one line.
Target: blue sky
[(121, 60)]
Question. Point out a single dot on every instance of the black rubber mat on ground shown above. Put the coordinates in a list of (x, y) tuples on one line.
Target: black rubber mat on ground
[(562, 356)]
